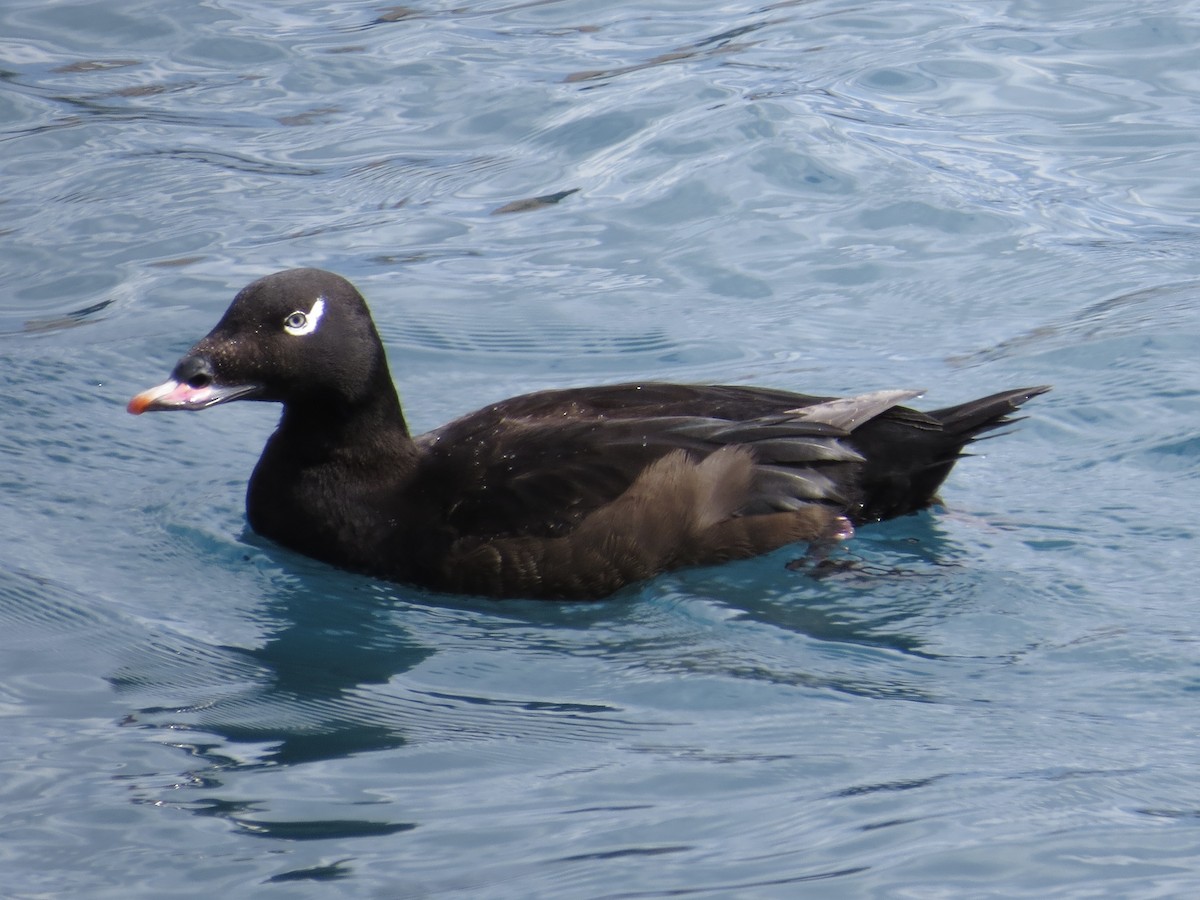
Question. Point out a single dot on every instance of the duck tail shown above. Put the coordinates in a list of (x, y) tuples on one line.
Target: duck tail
[(897, 483), (975, 418)]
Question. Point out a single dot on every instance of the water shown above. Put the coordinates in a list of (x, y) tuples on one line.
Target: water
[(998, 699)]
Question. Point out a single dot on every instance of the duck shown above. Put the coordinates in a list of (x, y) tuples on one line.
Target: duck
[(564, 494)]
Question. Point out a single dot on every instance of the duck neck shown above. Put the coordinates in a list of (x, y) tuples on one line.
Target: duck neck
[(368, 433), (331, 475)]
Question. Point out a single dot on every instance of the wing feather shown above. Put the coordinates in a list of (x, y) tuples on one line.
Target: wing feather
[(541, 463)]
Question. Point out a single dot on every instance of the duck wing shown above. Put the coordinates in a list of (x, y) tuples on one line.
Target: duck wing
[(538, 465), (650, 399)]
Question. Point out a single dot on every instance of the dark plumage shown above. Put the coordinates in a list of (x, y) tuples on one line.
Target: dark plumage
[(559, 494)]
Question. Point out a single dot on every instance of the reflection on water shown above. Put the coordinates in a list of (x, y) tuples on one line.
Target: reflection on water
[(340, 673), (1164, 308)]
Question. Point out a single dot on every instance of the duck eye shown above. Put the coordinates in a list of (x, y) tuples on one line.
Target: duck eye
[(299, 322)]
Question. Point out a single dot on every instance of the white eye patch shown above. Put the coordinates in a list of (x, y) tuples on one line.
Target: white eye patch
[(301, 322)]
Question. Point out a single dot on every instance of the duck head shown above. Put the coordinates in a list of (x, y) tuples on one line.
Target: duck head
[(301, 337)]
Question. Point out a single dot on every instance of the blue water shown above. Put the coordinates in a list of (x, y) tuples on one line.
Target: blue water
[(996, 699)]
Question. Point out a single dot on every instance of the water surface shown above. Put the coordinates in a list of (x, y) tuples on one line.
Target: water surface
[(994, 699)]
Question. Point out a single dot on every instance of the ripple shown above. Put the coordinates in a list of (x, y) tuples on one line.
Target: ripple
[(1162, 309)]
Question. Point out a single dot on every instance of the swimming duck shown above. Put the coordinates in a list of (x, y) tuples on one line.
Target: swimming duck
[(559, 494)]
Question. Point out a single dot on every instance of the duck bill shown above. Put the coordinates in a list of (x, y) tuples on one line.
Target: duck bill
[(173, 395)]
